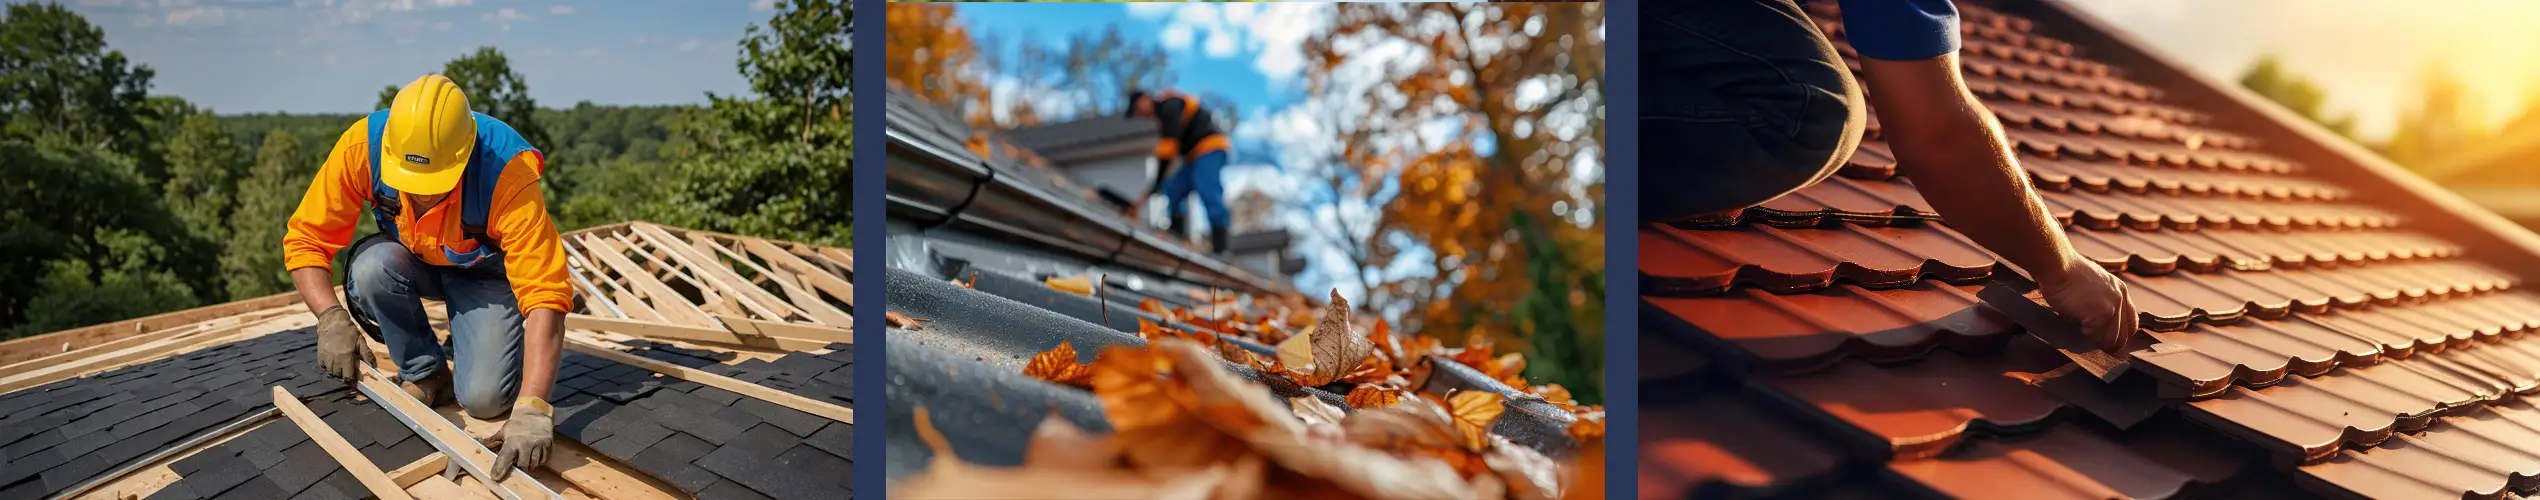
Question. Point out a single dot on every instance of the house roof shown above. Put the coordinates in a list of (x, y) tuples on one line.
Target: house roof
[(2316, 321), (1091, 137), (737, 393)]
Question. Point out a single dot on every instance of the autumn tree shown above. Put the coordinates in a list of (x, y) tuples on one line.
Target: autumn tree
[(1102, 67), (2444, 118), (931, 55), (1507, 197)]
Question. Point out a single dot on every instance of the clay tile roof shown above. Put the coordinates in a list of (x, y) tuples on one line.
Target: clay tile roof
[(2316, 323)]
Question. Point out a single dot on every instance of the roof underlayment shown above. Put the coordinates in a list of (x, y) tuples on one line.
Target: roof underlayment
[(699, 365)]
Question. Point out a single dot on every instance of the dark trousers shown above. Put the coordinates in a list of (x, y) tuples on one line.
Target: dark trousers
[(388, 284), (1742, 101)]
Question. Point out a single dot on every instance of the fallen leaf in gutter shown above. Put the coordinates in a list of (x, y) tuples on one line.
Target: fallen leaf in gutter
[(905, 322), (1059, 365), (1079, 285)]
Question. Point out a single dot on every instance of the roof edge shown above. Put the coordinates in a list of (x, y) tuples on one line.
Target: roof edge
[(2327, 154)]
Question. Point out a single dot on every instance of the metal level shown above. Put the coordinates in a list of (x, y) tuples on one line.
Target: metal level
[(447, 449)]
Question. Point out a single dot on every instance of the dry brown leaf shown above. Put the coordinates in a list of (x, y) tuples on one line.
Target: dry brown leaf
[(1152, 306), (948, 477), (1371, 396), (1079, 284), (903, 321), (1338, 348), (1314, 411), (1528, 474), (1059, 443), (1587, 475), (1402, 428), (1174, 406), (1473, 413), (1059, 365), (1368, 472)]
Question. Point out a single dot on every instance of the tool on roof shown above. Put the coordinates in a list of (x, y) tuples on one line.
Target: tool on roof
[(395, 401)]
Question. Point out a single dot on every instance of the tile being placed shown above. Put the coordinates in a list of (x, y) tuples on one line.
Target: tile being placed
[(1804, 331), (1921, 409), (1679, 260)]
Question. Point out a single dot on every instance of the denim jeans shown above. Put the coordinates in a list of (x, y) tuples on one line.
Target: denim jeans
[(1203, 175), (1742, 101), (388, 284)]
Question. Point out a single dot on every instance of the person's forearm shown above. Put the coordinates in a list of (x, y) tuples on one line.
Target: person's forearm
[(317, 288), (540, 352), (1956, 154)]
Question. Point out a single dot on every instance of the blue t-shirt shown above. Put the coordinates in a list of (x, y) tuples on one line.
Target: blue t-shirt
[(1901, 30)]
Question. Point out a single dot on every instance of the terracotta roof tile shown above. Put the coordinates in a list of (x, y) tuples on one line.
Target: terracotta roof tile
[(2289, 313)]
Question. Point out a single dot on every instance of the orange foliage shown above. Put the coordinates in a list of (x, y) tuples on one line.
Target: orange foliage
[(928, 52)]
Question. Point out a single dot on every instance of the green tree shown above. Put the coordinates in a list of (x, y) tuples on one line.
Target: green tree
[(2444, 118), (777, 165), (204, 163), (493, 89), (251, 266), (83, 229), (57, 78), (2269, 78)]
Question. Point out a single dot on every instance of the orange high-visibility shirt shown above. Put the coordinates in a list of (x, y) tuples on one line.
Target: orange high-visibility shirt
[(533, 254)]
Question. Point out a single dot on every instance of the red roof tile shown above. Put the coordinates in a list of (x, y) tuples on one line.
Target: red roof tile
[(2289, 312)]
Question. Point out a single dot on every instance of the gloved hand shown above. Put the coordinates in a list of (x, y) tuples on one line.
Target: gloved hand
[(2089, 294), (341, 351), (526, 437)]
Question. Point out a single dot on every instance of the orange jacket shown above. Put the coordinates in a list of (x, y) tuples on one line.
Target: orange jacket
[(533, 255)]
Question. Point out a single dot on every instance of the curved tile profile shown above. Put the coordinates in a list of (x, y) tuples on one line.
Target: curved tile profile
[(2310, 418), (2172, 301), (2480, 453), (1783, 333), (1848, 199), (2063, 174), (2162, 252), (1921, 409), (1719, 443), (2204, 359), (2064, 462), (2112, 210), (1687, 261)]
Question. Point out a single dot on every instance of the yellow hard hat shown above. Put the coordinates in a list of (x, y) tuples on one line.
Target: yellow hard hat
[(428, 137)]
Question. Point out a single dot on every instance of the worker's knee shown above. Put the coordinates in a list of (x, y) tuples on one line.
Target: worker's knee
[(381, 267), (487, 401)]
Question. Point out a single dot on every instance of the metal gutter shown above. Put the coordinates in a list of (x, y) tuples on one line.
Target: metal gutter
[(925, 190)]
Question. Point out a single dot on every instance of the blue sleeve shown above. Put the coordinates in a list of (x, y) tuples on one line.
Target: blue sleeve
[(1901, 30)]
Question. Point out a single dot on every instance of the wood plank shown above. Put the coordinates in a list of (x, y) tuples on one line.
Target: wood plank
[(153, 350), (755, 298), (787, 399), (368, 473), (690, 333), (836, 255), (17, 350), (669, 303), (426, 467), (424, 417), (591, 472), (812, 274), (825, 335), (803, 299)]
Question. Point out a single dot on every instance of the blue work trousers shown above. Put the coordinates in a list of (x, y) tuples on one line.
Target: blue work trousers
[(1204, 175), (388, 284)]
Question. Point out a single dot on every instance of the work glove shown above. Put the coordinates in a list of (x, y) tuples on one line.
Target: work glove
[(526, 437), (2090, 295), (341, 351)]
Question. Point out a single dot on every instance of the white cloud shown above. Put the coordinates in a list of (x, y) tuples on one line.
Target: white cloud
[(1178, 37), (506, 15), (763, 5), (1150, 10), (559, 9), (1221, 45), (198, 16), (691, 45)]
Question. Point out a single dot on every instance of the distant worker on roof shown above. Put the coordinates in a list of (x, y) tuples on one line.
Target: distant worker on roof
[(1752, 102), (1189, 133), (455, 195)]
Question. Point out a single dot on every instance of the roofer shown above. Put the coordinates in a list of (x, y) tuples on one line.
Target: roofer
[(1757, 104), (1188, 132), (461, 219)]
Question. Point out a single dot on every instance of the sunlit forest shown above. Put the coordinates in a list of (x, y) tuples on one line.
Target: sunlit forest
[(123, 203)]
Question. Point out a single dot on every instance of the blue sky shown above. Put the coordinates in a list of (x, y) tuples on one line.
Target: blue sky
[(1231, 71), (308, 56)]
